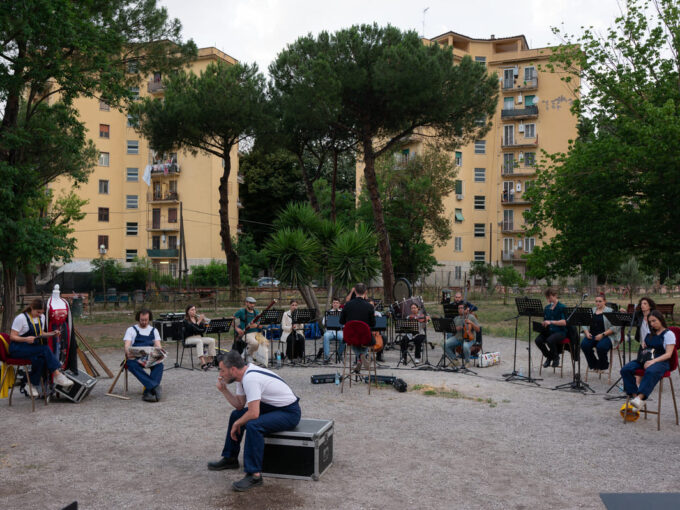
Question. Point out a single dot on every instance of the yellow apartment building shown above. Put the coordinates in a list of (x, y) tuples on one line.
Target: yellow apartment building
[(494, 172), (136, 197)]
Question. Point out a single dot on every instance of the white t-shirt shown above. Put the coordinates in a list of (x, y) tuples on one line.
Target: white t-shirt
[(20, 325), (267, 389), (668, 338), (131, 334)]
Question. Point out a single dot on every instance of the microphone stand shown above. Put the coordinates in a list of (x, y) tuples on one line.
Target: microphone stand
[(577, 384), (630, 355)]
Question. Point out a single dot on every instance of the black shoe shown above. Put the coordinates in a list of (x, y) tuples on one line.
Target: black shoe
[(556, 362), (149, 397), (247, 482), (223, 463), (547, 362), (326, 361), (157, 393)]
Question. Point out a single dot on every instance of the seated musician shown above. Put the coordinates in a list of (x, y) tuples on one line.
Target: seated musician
[(654, 354), (416, 315), (358, 309), (458, 300), (27, 326), (554, 320), (194, 329), (331, 335), (467, 327), (292, 334), (379, 353), (601, 336), (144, 335), (247, 329), (263, 404)]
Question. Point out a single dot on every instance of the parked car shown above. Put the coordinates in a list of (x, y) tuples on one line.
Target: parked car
[(267, 281)]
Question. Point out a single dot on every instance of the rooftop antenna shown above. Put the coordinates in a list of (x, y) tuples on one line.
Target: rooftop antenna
[(424, 12)]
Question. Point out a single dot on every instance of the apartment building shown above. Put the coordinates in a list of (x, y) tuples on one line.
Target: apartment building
[(138, 199), (533, 114)]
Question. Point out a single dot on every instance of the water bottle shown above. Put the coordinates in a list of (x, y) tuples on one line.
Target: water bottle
[(520, 373), (337, 378), (278, 359)]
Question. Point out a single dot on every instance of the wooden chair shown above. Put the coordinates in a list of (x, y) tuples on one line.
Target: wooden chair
[(12, 365), (123, 369), (611, 359), (358, 334), (564, 343)]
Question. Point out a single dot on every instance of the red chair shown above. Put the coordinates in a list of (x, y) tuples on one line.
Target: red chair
[(673, 364), (12, 364), (565, 344), (357, 334)]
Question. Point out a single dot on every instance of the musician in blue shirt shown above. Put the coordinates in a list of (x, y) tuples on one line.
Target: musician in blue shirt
[(554, 320)]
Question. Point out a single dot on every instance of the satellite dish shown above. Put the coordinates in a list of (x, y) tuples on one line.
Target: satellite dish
[(401, 289)]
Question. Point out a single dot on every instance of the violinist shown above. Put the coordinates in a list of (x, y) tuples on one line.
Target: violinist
[(416, 315), (467, 327)]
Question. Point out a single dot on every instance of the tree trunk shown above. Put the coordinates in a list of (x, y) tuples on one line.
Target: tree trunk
[(379, 222), (309, 296), (225, 234), (309, 186), (30, 281), (329, 297), (334, 184), (9, 297)]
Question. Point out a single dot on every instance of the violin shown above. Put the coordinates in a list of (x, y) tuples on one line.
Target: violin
[(468, 330)]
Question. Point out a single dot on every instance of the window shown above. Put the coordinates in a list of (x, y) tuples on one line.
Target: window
[(134, 93), (508, 219), (459, 158), (529, 244), (530, 130), (103, 130), (402, 157), (103, 187), (102, 240), (481, 60), (480, 147), (459, 187), (131, 228), (103, 214), (480, 230), (508, 103), (103, 106), (480, 121), (457, 244), (130, 255), (172, 242), (132, 174), (131, 201), (130, 122), (529, 158), (132, 67), (509, 135), (155, 242), (529, 73), (480, 174), (529, 101), (459, 215), (480, 256), (528, 185), (480, 202), (133, 147), (103, 159), (172, 215), (508, 163), (508, 78), (457, 272)]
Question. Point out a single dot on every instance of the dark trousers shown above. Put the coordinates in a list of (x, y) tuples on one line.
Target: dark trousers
[(417, 340), (589, 346), (40, 355), (149, 381), (271, 419), (549, 344), (652, 376)]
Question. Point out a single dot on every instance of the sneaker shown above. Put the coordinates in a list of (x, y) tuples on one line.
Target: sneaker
[(417, 360), (224, 463), (366, 362), (32, 392), (247, 482), (556, 362), (147, 396), (636, 403), (547, 362), (63, 381), (157, 393)]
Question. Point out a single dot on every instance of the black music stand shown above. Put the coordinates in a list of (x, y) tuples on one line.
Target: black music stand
[(176, 331), (621, 319), (269, 318), (526, 307), (305, 316), (380, 325), (406, 327), (219, 326), (578, 317), (332, 322), (444, 325)]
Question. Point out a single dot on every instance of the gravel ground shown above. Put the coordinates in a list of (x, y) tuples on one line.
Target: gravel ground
[(495, 445)]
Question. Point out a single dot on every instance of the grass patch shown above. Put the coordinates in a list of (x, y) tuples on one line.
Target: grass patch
[(444, 392)]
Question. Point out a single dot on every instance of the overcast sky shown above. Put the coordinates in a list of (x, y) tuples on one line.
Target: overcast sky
[(256, 30)]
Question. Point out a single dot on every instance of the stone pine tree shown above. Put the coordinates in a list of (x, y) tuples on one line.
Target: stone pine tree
[(381, 86), (54, 51), (211, 113)]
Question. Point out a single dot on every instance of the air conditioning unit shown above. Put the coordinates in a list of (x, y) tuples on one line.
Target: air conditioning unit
[(515, 71), (520, 128), (519, 245), (459, 197), (519, 99)]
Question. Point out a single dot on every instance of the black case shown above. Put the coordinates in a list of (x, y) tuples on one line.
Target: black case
[(82, 386), (305, 452)]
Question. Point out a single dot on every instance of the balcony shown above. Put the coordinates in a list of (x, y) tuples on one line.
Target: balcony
[(153, 253), (517, 171), (163, 197), (513, 256), (511, 199), (155, 86), (511, 142), (168, 169), (528, 112), (162, 225), (508, 227)]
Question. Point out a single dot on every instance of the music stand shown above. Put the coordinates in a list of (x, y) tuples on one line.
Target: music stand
[(219, 326), (526, 307), (578, 317), (406, 327), (380, 325), (269, 318), (444, 325), (305, 316), (620, 319), (332, 323)]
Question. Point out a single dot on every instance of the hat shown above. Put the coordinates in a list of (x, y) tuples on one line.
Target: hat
[(250, 299)]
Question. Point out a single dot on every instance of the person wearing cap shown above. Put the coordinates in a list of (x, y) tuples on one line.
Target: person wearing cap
[(246, 329)]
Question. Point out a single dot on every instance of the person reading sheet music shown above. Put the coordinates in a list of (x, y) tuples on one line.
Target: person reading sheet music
[(554, 320), (655, 352), (600, 336), (463, 320), (293, 334), (144, 335), (330, 334), (415, 315)]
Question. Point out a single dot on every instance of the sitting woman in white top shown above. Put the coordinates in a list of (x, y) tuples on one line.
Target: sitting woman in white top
[(144, 335), (194, 328), (28, 329), (295, 342)]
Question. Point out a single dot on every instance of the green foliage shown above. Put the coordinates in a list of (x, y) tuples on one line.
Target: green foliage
[(293, 253), (106, 272), (485, 272), (508, 277), (250, 256), (214, 274), (352, 257), (631, 276), (615, 193)]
